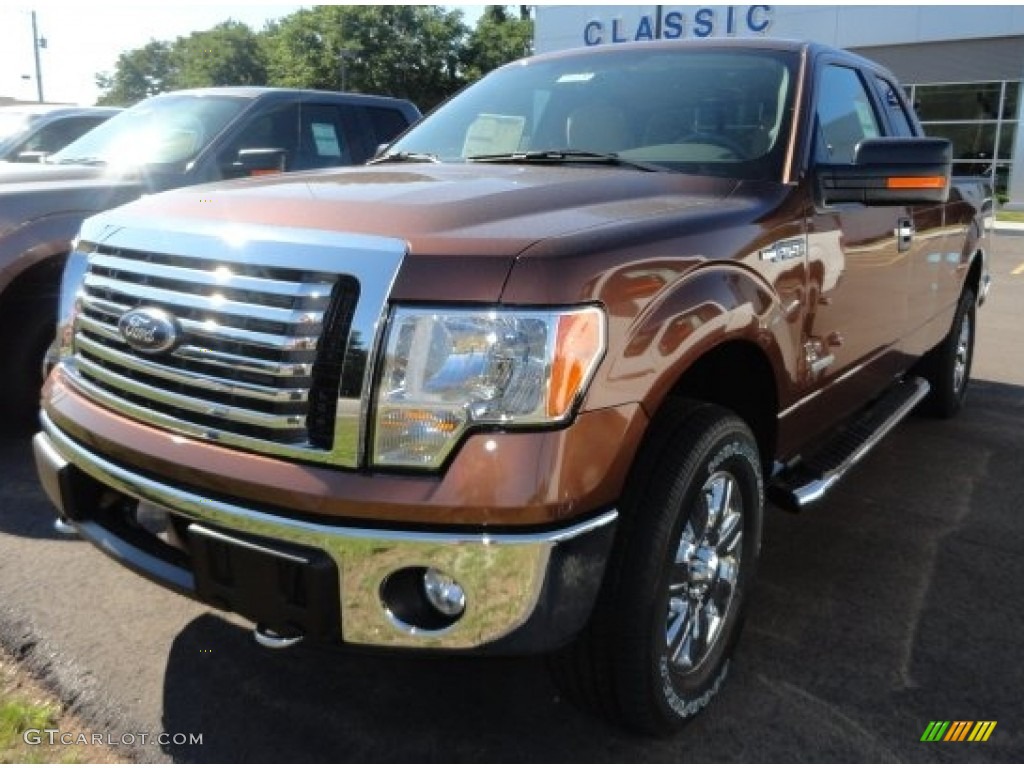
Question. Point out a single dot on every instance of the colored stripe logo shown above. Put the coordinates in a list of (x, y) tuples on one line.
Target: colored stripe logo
[(959, 730)]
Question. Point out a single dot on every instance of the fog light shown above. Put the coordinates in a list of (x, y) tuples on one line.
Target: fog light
[(444, 593), (420, 599)]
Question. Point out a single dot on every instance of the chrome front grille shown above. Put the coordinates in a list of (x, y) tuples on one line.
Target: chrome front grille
[(269, 353), (248, 340)]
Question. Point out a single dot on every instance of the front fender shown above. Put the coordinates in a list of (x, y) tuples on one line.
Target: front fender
[(707, 307), (36, 241)]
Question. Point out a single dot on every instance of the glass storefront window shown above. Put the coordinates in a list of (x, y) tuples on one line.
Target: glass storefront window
[(1006, 138), (968, 114), (968, 101), (1002, 182), (970, 141), (1011, 100), (997, 174)]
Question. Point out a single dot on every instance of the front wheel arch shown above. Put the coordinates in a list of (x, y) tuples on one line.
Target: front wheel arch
[(28, 312)]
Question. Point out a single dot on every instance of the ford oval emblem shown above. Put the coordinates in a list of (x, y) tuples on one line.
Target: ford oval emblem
[(148, 329)]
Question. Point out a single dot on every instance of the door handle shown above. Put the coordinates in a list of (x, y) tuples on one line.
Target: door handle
[(904, 233)]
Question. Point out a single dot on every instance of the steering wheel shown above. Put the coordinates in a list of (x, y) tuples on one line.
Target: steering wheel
[(714, 140)]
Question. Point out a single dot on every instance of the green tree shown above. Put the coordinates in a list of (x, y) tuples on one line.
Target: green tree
[(423, 53), (408, 51), (228, 54), (139, 73), (500, 36)]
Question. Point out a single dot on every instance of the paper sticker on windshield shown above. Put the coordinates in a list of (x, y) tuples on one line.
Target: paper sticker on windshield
[(494, 135)]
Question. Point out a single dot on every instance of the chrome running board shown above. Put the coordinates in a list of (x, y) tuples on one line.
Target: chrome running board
[(799, 486)]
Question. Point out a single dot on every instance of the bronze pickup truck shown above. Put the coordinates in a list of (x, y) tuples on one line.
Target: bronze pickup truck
[(523, 384)]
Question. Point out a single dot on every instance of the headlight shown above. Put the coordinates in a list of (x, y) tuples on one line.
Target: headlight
[(447, 371), (70, 288)]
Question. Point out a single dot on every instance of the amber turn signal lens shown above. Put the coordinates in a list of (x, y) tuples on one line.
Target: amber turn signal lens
[(916, 182), (578, 344)]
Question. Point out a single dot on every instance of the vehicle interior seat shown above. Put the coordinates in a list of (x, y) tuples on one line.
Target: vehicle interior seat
[(598, 127), (665, 126)]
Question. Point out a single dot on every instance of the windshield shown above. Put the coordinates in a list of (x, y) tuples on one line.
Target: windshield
[(712, 111), (161, 130)]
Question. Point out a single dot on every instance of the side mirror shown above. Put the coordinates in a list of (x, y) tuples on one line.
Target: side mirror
[(259, 162), (31, 157), (381, 149), (890, 171)]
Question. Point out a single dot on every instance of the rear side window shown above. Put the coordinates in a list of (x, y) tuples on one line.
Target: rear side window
[(845, 115), (889, 96), (323, 139)]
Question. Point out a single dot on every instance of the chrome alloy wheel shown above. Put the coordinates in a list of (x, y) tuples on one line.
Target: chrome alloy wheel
[(705, 573), (963, 354)]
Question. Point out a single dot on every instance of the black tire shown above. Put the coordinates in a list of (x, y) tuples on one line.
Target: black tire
[(633, 665), (29, 328), (947, 368)]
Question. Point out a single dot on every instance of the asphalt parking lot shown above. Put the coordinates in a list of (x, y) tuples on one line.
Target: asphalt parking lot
[(899, 601)]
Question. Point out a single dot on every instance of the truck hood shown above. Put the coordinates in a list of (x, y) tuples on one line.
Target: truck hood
[(42, 191), (443, 210)]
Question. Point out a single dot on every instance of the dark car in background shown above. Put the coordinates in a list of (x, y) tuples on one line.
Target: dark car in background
[(172, 140), (31, 132)]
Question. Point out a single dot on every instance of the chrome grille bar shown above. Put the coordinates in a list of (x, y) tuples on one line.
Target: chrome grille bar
[(213, 304), (241, 363), (213, 384), (130, 386), (131, 270), (214, 331)]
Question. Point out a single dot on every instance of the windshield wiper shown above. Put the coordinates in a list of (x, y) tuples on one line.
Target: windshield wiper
[(565, 156), (405, 157)]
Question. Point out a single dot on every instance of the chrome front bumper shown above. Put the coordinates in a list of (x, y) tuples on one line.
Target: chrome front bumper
[(524, 591)]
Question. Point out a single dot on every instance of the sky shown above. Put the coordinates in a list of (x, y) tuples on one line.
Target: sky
[(83, 39)]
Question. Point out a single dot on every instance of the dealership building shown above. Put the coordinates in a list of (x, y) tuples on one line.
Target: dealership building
[(961, 65)]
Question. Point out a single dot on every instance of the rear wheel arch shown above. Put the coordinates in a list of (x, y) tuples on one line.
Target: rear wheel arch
[(974, 273)]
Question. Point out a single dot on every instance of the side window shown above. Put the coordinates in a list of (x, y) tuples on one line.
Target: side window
[(894, 108), (323, 140), (844, 115), (276, 129)]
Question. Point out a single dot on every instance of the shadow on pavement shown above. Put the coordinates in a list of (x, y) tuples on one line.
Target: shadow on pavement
[(21, 496), (319, 704)]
